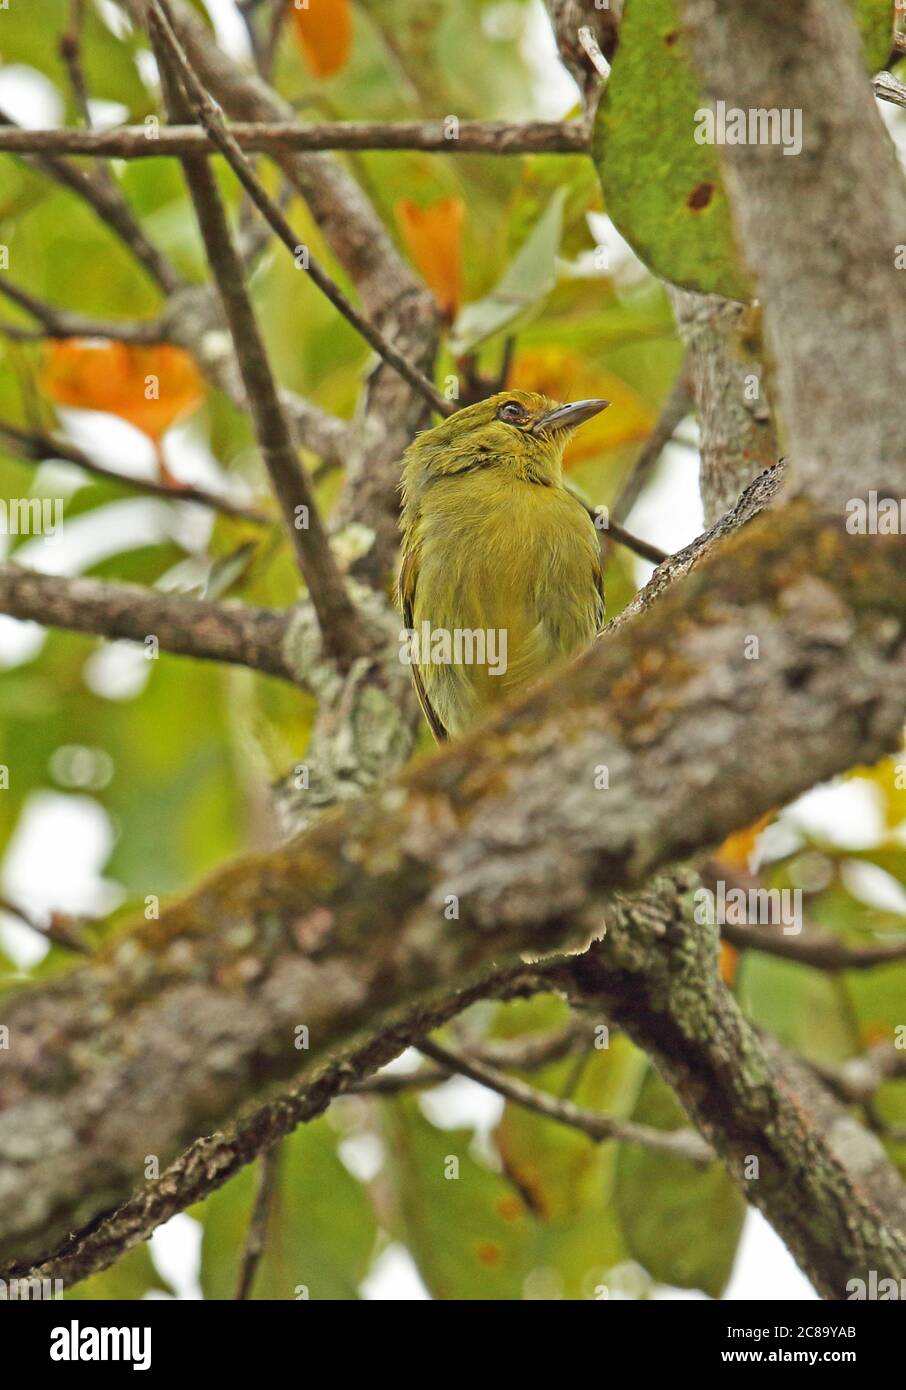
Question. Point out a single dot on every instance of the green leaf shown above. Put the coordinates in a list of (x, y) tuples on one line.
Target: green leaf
[(875, 19), (681, 1222), (31, 35), (321, 1232), (130, 1279), (663, 190), (530, 276), (541, 1229)]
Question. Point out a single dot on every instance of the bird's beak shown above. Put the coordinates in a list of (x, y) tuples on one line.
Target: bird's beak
[(567, 417)]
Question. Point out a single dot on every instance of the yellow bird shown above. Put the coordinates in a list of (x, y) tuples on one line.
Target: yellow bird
[(501, 572)]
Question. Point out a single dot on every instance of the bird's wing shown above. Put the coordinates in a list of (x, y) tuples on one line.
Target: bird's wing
[(407, 582), (599, 585)]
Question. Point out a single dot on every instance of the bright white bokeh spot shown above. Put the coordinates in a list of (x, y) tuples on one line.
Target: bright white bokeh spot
[(846, 813), (362, 1155), (874, 886), (117, 671), (669, 512), (55, 861), (462, 1104), (394, 1278), (765, 1269), (106, 114), (19, 641), (176, 1254), (29, 97)]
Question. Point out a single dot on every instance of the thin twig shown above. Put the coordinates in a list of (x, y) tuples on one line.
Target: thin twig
[(618, 533), (283, 137), (210, 115), (341, 629), (397, 1083), (255, 1241), (522, 1054), (60, 323), (812, 947), (682, 1143), (592, 48), (808, 946), (61, 928), (232, 632), (857, 1079), (890, 88), (674, 410), (36, 447), (71, 53), (105, 198), (634, 543)]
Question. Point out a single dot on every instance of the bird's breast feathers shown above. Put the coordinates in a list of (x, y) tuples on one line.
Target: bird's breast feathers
[(519, 564)]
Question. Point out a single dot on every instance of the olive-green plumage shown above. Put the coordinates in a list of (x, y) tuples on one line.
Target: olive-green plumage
[(493, 542)]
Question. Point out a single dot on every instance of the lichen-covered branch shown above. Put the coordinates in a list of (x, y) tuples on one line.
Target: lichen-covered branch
[(232, 632), (824, 1181), (656, 744), (738, 440)]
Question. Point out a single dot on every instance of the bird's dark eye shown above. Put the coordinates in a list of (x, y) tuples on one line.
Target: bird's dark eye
[(512, 412)]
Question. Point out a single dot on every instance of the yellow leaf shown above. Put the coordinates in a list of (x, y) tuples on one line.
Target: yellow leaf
[(323, 32), (433, 238), (151, 387), (564, 376)]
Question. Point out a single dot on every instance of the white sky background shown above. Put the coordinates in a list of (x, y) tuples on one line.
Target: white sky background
[(60, 848)]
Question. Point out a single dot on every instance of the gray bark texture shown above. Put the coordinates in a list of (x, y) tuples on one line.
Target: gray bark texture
[(767, 657)]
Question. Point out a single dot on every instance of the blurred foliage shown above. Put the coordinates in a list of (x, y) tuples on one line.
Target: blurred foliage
[(321, 1233), (681, 1223), (176, 760)]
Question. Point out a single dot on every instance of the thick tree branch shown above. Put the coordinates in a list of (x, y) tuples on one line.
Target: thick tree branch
[(346, 926), (834, 304), (738, 441), (823, 1181), (234, 633)]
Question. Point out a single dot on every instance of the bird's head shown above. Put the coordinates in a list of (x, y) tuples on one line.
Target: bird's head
[(519, 430)]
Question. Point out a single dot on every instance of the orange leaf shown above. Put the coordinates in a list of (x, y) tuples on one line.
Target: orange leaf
[(564, 376), (323, 30), (737, 850), (433, 238), (151, 387), (729, 960)]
